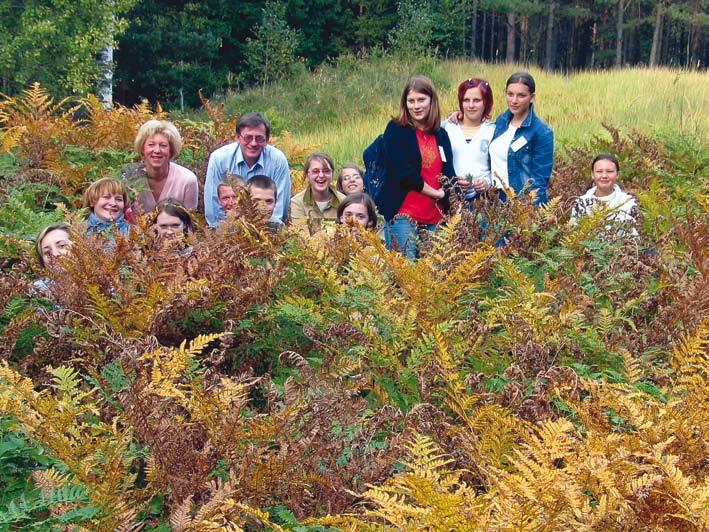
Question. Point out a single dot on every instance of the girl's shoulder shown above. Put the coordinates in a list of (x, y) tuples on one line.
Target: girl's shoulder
[(487, 125)]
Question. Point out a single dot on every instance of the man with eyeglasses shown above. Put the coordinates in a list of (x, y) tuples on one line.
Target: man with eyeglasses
[(250, 155)]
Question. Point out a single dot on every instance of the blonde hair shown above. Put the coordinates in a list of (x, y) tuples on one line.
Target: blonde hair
[(61, 226), (105, 185), (162, 127)]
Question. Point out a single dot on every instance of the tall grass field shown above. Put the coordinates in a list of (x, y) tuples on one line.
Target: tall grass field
[(342, 107)]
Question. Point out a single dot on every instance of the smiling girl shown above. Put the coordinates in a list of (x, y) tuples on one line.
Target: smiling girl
[(107, 199), (522, 148), (320, 199), (470, 138), (350, 179), (417, 151), (605, 171)]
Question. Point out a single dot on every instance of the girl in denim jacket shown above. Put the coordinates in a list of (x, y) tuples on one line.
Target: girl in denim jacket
[(522, 148)]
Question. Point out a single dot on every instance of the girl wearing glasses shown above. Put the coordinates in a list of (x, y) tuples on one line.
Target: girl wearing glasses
[(320, 200), (350, 179)]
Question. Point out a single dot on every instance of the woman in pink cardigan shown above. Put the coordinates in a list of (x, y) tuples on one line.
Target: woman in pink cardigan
[(158, 142)]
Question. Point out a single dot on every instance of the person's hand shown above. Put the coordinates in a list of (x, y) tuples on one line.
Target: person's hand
[(480, 184), (464, 184), (455, 117)]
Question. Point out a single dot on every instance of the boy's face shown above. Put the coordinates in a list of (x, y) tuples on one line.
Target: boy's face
[(227, 198), (264, 200)]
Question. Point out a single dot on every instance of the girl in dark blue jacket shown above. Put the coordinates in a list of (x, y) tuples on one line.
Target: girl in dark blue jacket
[(522, 148), (417, 152)]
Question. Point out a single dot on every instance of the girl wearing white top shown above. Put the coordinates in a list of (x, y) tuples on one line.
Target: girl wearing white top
[(470, 138), (522, 147), (622, 207)]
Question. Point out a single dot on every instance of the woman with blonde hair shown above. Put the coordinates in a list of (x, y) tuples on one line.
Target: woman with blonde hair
[(158, 142)]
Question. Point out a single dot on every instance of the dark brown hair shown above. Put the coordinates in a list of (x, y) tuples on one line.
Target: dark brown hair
[(174, 208), (525, 78), (253, 120), (425, 86), (364, 199), (606, 157)]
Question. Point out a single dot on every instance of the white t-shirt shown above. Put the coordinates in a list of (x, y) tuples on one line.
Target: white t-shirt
[(498, 157), (323, 205), (470, 157)]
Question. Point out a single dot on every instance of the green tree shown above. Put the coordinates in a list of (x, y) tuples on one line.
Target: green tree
[(325, 26), (413, 35), (172, 50), (272, 49), (56, 42)]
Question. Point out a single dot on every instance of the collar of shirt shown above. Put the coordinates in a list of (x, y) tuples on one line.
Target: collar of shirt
[(240, 158)]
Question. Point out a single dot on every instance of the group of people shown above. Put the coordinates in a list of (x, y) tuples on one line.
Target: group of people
[(515, 153)]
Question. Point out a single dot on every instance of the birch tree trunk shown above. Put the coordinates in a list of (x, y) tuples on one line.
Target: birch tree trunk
[(619, 35), (474, 36), (549, 59), (511, 38), (104, 59), (657, 34), (104, 87)]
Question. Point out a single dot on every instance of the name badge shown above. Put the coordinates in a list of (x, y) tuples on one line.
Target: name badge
[(443, 154), (518, 144)]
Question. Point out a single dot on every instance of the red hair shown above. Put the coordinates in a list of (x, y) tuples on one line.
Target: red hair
[(485, 92)]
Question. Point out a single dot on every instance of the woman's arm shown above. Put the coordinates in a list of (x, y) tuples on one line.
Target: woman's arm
[(542, 163), (403, 163), (431, 192)]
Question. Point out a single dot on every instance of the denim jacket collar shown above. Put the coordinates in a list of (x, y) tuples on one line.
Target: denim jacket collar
[(506, 117)]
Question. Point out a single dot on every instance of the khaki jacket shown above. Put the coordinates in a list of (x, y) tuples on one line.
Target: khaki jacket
[(303, 207)]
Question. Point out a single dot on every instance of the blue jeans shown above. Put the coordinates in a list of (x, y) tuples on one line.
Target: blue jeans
[(402, 234)]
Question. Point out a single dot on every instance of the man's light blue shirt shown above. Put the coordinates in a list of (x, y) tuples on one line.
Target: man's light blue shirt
[(272, 162)]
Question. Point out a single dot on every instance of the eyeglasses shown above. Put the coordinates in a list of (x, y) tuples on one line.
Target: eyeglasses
[(353, 177), (259, 139), (318, 171)]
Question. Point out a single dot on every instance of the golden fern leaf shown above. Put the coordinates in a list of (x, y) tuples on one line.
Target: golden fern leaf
[(180, 519), (605, 321), (548, 211), (49, 479), (66, 382), (691, 363), (693, 501), (631, 367), (427, 459), (104, 307), (10, 137), (198, 344), (585, 228)]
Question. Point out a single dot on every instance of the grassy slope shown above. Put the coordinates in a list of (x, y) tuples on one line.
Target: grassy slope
[(343, 107)]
